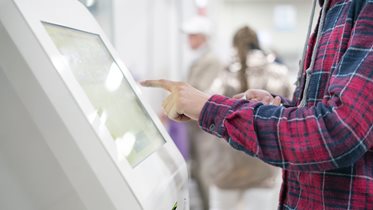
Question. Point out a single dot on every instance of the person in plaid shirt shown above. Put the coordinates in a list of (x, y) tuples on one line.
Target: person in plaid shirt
[(321, 139)]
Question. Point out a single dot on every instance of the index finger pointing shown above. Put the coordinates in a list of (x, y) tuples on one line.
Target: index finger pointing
[(161, 83)]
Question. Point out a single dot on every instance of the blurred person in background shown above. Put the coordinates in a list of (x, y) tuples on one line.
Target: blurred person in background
[(322, 139), (204, 68), (240, 182), (252, 68)]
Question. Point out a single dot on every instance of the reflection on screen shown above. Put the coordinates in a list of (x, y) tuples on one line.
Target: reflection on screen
[(118, 108)]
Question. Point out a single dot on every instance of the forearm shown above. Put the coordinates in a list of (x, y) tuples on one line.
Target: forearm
[(291, 138)]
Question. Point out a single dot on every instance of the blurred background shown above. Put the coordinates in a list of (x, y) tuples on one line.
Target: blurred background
[(147, 34)]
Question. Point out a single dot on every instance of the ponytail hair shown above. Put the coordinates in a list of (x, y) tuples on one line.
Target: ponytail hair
[(245, 40)]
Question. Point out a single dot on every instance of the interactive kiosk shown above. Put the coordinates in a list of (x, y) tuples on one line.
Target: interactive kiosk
[(74, 131)]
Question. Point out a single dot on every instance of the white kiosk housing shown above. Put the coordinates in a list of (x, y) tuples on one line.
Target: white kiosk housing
[(74, 131)]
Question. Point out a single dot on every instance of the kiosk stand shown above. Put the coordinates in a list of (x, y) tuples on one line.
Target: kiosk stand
[(75, 133)]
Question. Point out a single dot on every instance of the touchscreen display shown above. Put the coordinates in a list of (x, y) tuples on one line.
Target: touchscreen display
[(117, 106)]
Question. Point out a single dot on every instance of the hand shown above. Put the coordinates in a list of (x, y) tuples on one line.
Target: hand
[(184, 102), (260, 95)]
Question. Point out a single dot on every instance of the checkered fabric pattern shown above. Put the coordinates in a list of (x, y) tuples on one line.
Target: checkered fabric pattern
[(326, 147)]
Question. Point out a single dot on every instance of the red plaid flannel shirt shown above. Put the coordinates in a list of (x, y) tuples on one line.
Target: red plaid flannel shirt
[(326, 147)]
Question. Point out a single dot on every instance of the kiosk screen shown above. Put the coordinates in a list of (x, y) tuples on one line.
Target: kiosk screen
[(135, 134)]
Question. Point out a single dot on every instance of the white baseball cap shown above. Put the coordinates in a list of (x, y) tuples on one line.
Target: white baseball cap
[(197, 25)]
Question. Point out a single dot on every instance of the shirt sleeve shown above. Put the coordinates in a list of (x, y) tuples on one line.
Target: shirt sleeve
[(334, 133)]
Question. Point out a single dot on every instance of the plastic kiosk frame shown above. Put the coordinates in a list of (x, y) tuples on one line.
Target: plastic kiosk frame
[(75, 133)]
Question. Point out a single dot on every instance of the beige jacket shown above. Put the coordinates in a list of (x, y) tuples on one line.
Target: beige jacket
[(263, 73), (204, 70), (218, 162)]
